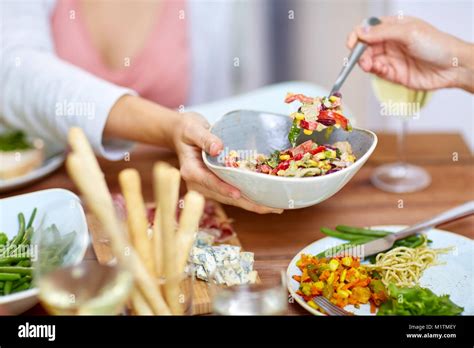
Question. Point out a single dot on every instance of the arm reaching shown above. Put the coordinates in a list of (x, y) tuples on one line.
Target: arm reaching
[(413, 53)]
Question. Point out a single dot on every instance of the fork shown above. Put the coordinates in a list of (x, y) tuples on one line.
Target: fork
[(329, 307)]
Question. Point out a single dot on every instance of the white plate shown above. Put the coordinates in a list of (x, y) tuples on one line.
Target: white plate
[(49, 165), (454, 277), (57, 206)]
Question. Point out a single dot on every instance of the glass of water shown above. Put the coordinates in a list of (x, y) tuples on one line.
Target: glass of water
[(252, 299)]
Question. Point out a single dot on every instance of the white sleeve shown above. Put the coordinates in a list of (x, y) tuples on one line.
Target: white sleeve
[(44, 95)]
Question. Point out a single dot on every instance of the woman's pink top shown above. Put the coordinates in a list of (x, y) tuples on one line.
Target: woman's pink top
[(160, 72)]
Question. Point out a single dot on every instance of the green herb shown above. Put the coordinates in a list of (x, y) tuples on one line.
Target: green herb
[(274, 159), (417, 301), (294, 133), (14, 141)]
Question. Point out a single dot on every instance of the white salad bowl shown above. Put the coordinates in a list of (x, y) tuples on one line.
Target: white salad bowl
[(55, 206), (249, 132)]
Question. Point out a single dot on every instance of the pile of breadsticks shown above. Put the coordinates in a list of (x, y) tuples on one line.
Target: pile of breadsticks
[(157, 262)]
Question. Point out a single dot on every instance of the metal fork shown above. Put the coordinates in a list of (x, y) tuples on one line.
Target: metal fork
[(329, 307)]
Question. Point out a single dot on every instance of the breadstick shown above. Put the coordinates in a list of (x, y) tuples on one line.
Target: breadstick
[(139, 304), (158, 249), (168, 193), (157, 242), (137, 221), (84, 170), (188, 226)]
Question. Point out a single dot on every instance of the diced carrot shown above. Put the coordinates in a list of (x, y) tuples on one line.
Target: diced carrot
[(355, 263), (373, 308), (325, 275), (363, 282), (297, 278)]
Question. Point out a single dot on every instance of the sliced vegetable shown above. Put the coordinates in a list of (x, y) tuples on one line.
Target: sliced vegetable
[(417, 301)]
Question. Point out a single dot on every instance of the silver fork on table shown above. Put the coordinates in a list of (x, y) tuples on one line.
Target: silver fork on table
[(329, 307)]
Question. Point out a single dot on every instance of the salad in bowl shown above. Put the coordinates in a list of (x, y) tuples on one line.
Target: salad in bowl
[(309, 158)]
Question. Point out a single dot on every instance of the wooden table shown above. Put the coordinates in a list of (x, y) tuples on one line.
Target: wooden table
[(275, 239)]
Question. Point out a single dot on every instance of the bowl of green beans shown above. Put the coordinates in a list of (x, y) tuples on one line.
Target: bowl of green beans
[(39, 232)]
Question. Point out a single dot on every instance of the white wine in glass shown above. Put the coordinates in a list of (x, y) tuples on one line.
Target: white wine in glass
[(85, 289), (399, 101), (67, 288)]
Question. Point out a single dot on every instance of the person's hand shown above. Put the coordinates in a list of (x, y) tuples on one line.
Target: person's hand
[(411, 52), (192, 135)]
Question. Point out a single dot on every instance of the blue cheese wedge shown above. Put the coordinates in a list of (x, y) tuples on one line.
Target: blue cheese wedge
[(224, 264), (204, 239)]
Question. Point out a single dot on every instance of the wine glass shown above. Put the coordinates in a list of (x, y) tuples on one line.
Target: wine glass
[(88, 288), (250, 299), (66, 286), (397, 100)]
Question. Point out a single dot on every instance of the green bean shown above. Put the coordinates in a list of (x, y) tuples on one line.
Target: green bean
[(3, 238), (22, 287), (418, 243), (2, 284), (413, 238), (5, 261), (402, 243), (338, 248), (9, 277), (32, 218), (15, 241), (410, 243), (361, 231), (24, 263), (8, 287), (340, 235), (65, 244), (27, 237), (21, 231), (23, 280), (17, 270)]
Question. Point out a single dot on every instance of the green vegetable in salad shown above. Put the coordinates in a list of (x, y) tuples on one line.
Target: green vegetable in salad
[(274, 159), (294, 133), (417, 301)]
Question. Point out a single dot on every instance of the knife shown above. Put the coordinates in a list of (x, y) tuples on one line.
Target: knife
[(385, 243)]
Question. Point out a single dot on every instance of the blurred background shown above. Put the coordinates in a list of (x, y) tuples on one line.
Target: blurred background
[(305, 40)]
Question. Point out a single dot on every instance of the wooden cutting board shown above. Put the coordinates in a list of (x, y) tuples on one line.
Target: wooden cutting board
[(202, 302)]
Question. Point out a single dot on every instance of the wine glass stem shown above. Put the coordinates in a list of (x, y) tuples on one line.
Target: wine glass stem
[(401, 143)]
